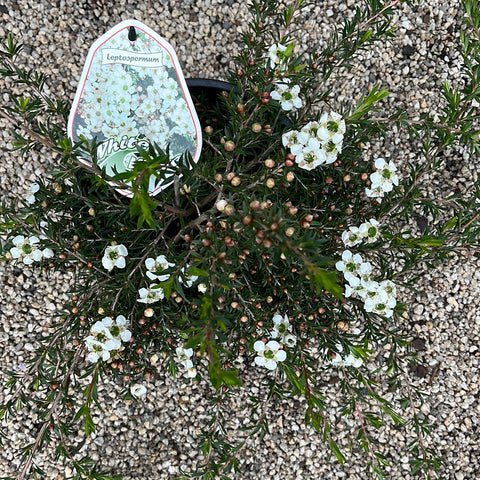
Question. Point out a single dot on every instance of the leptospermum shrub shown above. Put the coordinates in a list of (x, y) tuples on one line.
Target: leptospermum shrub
[(285, 245)]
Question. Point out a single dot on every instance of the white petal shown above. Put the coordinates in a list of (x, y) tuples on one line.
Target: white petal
[(281, 355), (138, 390), (113, 344), (187, 364), (277, 319), (120, 262), (37, 255), (47, 253), (260, 361), (107, 322), (122, 250), (126, 335), (273, 345), (259, 346), (179, 351), (149, 263), (19, 240), (92, 357), (271, 364), (107, 263), (15, 252), (27, 260)]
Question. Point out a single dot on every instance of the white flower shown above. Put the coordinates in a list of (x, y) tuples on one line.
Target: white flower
[(380, 302), (282, 329), (183, 357), (337, 360), (186, 278), (310, 157), (350, 262), (351, 361), (202, 288), (287, 96), (97, 350), (273, 54), (156, 266), (106, 336), (268, 354), (34, 188), (119, 329), (316, 143), (114, 256), (138, 390), (369, 230), (26, 249), (152, 294), (334, 125), (289, 340), (383, 179), (351, 237)]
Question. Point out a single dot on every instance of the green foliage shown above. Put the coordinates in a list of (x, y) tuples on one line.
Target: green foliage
[(246, 236)]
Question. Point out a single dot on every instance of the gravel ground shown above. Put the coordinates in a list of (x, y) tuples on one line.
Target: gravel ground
[(156, 438)]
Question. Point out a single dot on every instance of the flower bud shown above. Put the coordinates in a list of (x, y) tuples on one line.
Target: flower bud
[(220, 205), (269, 163), (267, 243), (241, 108), (235, 181), (229, 209), (257, 127), (229, 146)]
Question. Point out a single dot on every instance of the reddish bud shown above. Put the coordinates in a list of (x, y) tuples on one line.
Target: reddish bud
[(229, 146)]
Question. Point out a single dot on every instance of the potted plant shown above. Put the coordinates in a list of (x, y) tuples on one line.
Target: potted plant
[(285, 246)]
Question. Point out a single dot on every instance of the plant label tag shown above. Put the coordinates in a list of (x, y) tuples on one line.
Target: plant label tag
[(132, 91)]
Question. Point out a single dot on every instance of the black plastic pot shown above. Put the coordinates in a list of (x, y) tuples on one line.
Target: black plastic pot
[(207, 87)]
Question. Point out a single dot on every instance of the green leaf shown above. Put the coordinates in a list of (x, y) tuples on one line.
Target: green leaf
[(366, 103), (198, 272), (334, 447), (325, 279)]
